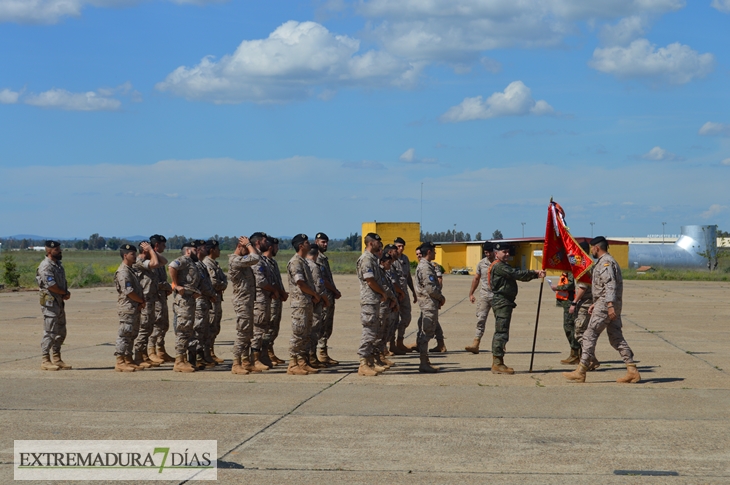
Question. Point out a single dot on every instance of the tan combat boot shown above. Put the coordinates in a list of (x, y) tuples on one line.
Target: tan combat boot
[(121, 365), (56, 359), (378, 360), (303, 364), (412, 348), (399, 349), (215, 358), (146, 358), (378, 368), (257, 364), (578, 375), (440, 346), (315, 362), (474, 347), (152, 354), (247, 364), (273, 356), (162, 354), (632, 375), (572, 359), (130, 362), (426, 366), (324, 354), (294, 368), (593, 364), (498, 366), (366, 370), (264, 357), (46, 364), (391, 347), (388, 363), (237, 368), (182, 365)]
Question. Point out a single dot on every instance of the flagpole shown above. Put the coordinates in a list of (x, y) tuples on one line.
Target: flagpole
[(537, 320)]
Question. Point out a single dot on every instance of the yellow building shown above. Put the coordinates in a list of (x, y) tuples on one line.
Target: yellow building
[(388, 231), (458, 256)]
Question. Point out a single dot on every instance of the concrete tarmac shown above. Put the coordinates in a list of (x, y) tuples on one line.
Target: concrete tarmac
[(462, 425)]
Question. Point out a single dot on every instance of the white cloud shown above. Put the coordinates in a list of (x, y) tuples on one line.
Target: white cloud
[(624, 32), (714, 210), (457, 31), (52, 11), (712, 129), (294, 62), (726, 162), (675, 63), (62, 99), (409, 156), (515, 100), (658, 154), (9, 97), (721, 5), (364, 165)]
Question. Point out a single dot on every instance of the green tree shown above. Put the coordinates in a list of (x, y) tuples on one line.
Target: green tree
[(497, 234), (478, 236), (11, 276)]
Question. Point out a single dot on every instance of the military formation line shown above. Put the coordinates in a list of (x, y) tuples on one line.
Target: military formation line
[(198, 284)]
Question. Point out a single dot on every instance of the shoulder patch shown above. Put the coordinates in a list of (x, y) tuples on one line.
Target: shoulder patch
[(261, 269), (607, 264), (129, 284), (431, 278), (50, 278)]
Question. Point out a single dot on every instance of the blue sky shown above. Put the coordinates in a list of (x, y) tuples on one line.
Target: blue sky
[(200, 117)]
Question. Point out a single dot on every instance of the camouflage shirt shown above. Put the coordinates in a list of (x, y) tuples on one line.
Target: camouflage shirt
[(608, 283), (206, 285), (51, 273), (324, 263), (298, 270), (217, 277), (428, 288), (147, 277), (127, 282), (317, 276), (503, 279), (368, 267), (241, 275), (262, 272), (188, 274), (482, 271)]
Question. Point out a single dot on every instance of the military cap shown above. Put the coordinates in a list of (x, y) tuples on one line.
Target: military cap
[(299, 239), (597, 240), (188, 244), (389, 247), (488, 246), (501, 246), (585, 247), (427, 246), (386, 257), (158, 238), (198, 243), (274, 240), (372, 235), (211, 244), (399, 240), (128, 247), (53, 244), (259, 234), (323, 236)]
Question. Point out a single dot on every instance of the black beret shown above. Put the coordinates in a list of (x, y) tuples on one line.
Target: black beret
[(262, 235), (501, 246), (399, 240), (211, 244), (427, 246), (321, 235), (390, 247), (372, 235), (128, 247), (158, 237), (188, 244), (53, 244), (274, 240), (585, 247), (298, 239), (198, 243), (597, 240), (488, 246), (386, 257)]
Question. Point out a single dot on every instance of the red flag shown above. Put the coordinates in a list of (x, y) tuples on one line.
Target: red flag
[(560, 250)]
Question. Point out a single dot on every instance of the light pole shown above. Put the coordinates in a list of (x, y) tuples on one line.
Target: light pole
[(592, 223), (421, 206), (454, 232), (523, 229), (663, 224)]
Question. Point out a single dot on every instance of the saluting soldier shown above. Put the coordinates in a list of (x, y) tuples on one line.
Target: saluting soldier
[(388, 309), (265, 291), (303, 298), (503, 280), (430, 299), (130, 304), (484, 300), (395, 277), (220, 282), (319, 308), (202, 358), (147, 262), (608, 289), (156, 345), (328, 313), (51, 279), (240, 272), (185, 277)]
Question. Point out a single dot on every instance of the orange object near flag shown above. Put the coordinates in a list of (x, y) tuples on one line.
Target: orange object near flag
[(561, 251)]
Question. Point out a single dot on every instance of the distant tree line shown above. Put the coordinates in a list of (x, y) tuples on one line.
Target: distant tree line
[(459, 236)]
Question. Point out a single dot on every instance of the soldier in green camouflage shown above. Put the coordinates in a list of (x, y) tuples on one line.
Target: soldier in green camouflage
[(503, 280)]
